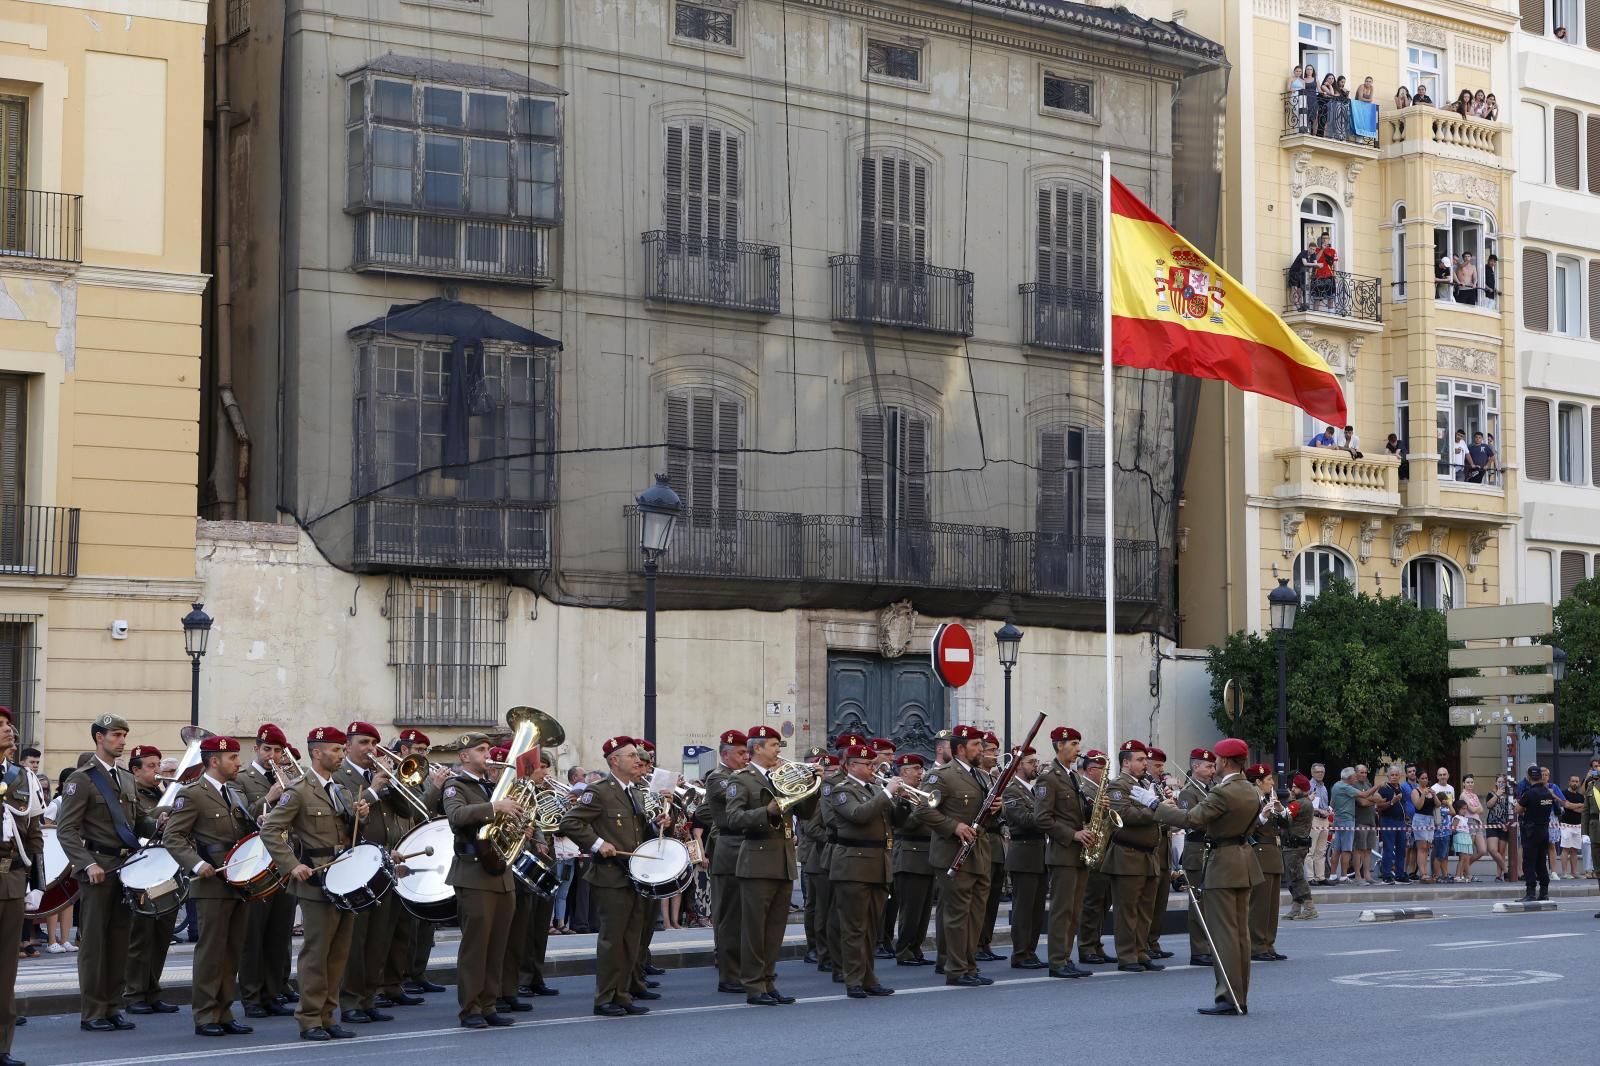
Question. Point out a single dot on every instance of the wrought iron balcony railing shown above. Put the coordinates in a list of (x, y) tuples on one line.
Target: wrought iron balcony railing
[(711, 272), (901, 293), (1342, 295), (1064, 318), (1308, 114), (41, 225), (41, 541), (452, 246), (449, 535), (1056, 564)]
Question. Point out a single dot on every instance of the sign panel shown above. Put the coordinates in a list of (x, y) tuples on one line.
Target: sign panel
[(953, 654), (1505, 714), (1489, 623), (1466, 688), (1489, 658)]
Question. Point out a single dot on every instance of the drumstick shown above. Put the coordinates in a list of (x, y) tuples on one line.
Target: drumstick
[(412, 854)]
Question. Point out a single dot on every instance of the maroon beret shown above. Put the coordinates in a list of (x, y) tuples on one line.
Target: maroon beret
[(1231, 749), (271, 734), (1064, 733), (324, 734)]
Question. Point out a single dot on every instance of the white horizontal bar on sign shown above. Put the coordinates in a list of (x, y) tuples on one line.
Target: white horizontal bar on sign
[(1504, 714), (1488, 623), (1488, 658), (1466, 688)]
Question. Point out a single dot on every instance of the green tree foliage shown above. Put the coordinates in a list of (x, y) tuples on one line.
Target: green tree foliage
[(1368, 678), (1577, 632)]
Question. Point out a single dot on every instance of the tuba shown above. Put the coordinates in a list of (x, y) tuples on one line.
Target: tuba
[(499, 843), (1103, 821), (794, 782), (189, 767)]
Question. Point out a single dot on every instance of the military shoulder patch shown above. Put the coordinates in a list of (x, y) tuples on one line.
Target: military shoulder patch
[(587, 799), (933, 779), (451, 792), (842, 798), (71, 788), (283, 800), (1116, 794), (827, 790), (178, 806), (1039, 790), (732, 790)]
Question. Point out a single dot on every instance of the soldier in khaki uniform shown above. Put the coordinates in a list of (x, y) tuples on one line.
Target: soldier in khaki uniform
[(1267, 840), (1060, 811), (515, 934), (264, 960), (1131, 860), (883, 754), (484, 899), (310, 826), (913, 873), (953, 823), (727, 928), (98, 825), (865, 813), (148, 938), (824, 816), (210, 816), (1097, 885), (529, 976), (1024, 862), (812, 849), (607, 818), (373, 933), (416, 742), (1225, 814), (989, 767), (401, 817), (1158, 913), (767, 864), (21, 849), (1202, 765), (1297, 838)]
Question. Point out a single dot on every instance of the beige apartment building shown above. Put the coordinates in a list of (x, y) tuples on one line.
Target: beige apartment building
[(100, 328)]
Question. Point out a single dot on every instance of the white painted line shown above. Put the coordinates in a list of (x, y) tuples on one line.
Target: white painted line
[(1365, 951), (1549, 936), (1504, 1008), (1461, 943), (1485, 944)]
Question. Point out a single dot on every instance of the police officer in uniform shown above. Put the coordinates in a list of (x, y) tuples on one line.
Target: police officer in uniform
[(311, 824), (264, 960), (1097, 884), (210, 816), (1131, 861), (1535, 806), (98, 825), (21, 849), (1202, 765), (727, 928), (608, 817), (1060, 811), (1225, 814), (148, 937), (1024, 851), (913, 873), (961, 791), (1297, 837), (1267, 840), (865, 813)]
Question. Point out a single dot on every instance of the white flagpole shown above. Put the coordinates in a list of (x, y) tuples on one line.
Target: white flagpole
[(1106, 419)]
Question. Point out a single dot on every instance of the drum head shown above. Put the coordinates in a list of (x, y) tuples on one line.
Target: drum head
[(149, 868), (658, 861), (425, 880), (248, 860), (56, 863), (355, 868)]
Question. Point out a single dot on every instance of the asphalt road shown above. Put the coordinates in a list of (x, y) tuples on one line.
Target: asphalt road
[(1468, 987)]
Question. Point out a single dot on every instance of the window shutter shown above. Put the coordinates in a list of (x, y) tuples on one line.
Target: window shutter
[(13, 171), (869, 206), (1565, 147), (678, 443), (1594, 446), (1533, 16), (912, 484), (13, 435), (730, 191), (1048, 267), (1094, 454), (1069, 223), (1591, 23), (672, 209), (1591, 150), (694, 176), (702, 181), (1572, 571), (702, 465), (1536, 288), (1052, 516), (1536, 438), (728, 437), (872, 509), (1594, 299), (894, 212)]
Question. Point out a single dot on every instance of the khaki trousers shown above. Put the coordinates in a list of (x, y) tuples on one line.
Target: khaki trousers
[(622, 914), (104, 923), (915, 892), (1091, 920), (727, 928), (1264, 914), (1228, 915), (11, 911), (537, 942), (324, 952), (764, 911), (148, 942), (1067, 885), (860, 906), (515, 936), (1027, 914), (961, 901), (1134, 898), (485, 918), (997, 888), (421, 951), (402, 942), (264, 964), (371, 938), (223, 926)]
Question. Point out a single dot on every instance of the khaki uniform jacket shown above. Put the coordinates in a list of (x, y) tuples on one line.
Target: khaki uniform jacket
[(13, 871), (960, 802), (866, 816), (1060, 810), (605, 811), (204, 827), (83, 819), (1025, 843), (304, 827), (768, 849), (379, 826), (1269, 841), (1591, 810), (723, 845), (1133, 847), (467, 806), (1297, 833), (911, 845), (816, 851), (433, 796), (255, 786), (1194, 840), (1226, 814), (826, 823)]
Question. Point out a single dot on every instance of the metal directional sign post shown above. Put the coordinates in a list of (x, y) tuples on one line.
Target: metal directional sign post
[(1500, 689)]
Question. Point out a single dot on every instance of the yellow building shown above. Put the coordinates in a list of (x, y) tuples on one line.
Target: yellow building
[(100, 303), (1398, 193)]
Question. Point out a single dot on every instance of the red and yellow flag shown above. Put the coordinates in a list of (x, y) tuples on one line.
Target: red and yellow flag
[(1174, 309)]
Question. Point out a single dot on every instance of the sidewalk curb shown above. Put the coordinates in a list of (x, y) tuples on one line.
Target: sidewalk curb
[(1519, 907), (1396, 914)]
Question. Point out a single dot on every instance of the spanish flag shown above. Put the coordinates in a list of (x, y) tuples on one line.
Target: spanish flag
[(1174, 309)]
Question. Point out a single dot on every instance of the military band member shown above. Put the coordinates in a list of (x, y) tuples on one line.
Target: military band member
[(1268, 843), (727, 927), (264, 961), (148, 937), (1097, 884), (529, 978), (824, 814), (1060, 812), (865, 813), (416, 742), (913, 873), (811, 839), (767, 864), (1297, 837), (1202, 765), (989, 767), (396, 963), (311, 825), (941, 758), (370, 939), (1131, 861), (607, 818), (514, 934), (1024, 862), (883, 753), (1226, 814), (21, 849), (1158, 913), (98, 824), (647, 968), (961, 791), (210, 816)]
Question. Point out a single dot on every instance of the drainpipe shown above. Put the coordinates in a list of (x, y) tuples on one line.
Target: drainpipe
[(222, 281)]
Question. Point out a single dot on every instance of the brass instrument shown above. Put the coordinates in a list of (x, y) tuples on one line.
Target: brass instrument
[(500, 841), (189, 767), (414, 770), (689, 798), (794, 782), (915, 796), (391, 765), (1103, 821), (287, 770)]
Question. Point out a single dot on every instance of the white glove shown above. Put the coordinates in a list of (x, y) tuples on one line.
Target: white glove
[(1144, 796)]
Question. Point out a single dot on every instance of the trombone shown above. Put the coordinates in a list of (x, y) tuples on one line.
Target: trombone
[(915, 796), (391, 765)]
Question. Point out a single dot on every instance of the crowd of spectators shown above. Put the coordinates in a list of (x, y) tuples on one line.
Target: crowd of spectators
[(1324, 104)]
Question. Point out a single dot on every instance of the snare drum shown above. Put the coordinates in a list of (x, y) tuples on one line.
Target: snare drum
[(358, 878), (537, 874), (60, 887), (423, 891), (660, 868), (250, 871), (152, 882)]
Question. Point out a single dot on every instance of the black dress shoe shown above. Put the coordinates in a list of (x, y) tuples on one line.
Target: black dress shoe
[(653, 971), (474, 1021), (811, 958), (498, 1020), (1218, 1010), (762, 999), (883, 953), (210, 1029), (375, 1015), (938, 968), (119, 1022), (429, 986), (988, 956), (1094, 958), (381, 1000), (982, 980), (1161, 954), (923, 960), (966, 980), (354, 1017), (636, 1008), (339, 1032), (724, 986), (402, 1000), (1276, 957), (292, 996), (255, 1010), (1262, 956), (652, 984), (1068, 971), (824, 967), (1154, 966), (1200, 960), (141, 1007), (97, 1025), (856, 992), (1027, 964), (316, 1033), (611, 1010), (543, 990), (233, 1028), (838, 977), (647, 995), (880, 990), (7, 1060), (919, 962), (1131, 967), (412, 987), (782, 1000), (515, 1006)]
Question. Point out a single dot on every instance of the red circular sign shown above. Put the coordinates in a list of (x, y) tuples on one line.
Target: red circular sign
[(953, 654)]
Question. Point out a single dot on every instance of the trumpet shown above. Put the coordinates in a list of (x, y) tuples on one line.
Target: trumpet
[(391, 765), (915, 796)]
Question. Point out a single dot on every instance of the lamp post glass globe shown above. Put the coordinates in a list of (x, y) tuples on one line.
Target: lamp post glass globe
[(1282, 604), (658, 510), (196, 630), (1007, 641), (1558, 663)]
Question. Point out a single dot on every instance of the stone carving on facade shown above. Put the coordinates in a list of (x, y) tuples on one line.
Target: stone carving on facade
[(1369, 532), (1323, 178), (1330, 530), (1471, 360), (896, 624), (1449, 183), (1422, 33), (1290, 522), (1436, 536), (1399, 537), (1332, 353), (1354, 348), (1351, 173), (1297, 166), (1476, 543), (1325, 10)]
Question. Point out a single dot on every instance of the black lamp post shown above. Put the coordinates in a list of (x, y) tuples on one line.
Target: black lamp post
[(658, 510), (1558, 670), (196, 630), (1282, 603), (1007, 642)]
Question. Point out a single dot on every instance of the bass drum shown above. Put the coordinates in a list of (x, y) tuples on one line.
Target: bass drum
[(152, 882), (423, 892), (60, 887), (660, 868)]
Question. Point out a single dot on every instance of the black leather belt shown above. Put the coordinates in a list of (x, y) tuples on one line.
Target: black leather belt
[(1226, 842), (106, 849), (1299, 842), (317, 853), (763, 836), (1027, 836), (914, 839), (850, 843)]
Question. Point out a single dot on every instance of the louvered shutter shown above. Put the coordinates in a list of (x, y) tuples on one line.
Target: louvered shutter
[(1052, 516), (1536, 438), (872, 456), (911, 486), (1565, 147), (13, 465), (1094, 452), (13, 171), (1591, 150), (1533, 16), (894, 215), (1068, 230), (1572, 571), (702, 466), (1535, 288), (703, 438), (1591, 23), (678, 443), (1594, 446), (728, 440), (1594, 299), (673, 207)]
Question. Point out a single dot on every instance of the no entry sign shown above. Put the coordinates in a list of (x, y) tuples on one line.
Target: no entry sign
[(952, 654)]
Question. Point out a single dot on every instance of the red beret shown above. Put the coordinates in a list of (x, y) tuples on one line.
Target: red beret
[(324, 734), (1025, 752), (271, 734), (908, 759), (499, 754), (763, 732), (966, 732), (217, 744), (1094, 755), (1203, 753), (5, 712), (414, 736), (1133, 745), (733, 736), (990, 738), (830, 760), (844, 740), (142, 751), (1064, 733), (883, 745), (858, 751), (1256, 771), (294, 752), (615, 744), (1157, 754), (1302, 782), (1231, 749), (363, 729)]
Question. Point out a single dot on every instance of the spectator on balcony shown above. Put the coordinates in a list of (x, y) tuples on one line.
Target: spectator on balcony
[(1479, 104), (1350, 442), (1297, 100), (1491, 108), (1494, 457), (1402, 98), (1365, 90), (1325, 97), (1463, 104), (1322, 279), (1561, 33), (1323, 439), (1466, 280), (1482, 457), (1395, 448), (1458, 456), (1444, 272), (1421, 95), (1297, 275), (1491, 268)]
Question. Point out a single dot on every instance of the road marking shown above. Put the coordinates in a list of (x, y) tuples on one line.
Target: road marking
[(1484, 944), (1548, 936), (1504, 1008), (1461, 944), (1367, 951)]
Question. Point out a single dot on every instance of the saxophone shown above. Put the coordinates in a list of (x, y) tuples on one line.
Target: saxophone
[(1103, 821)]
